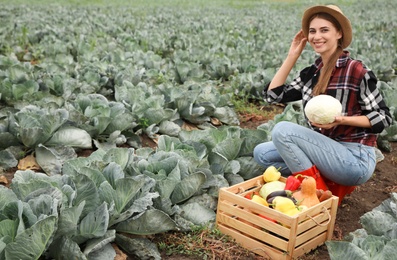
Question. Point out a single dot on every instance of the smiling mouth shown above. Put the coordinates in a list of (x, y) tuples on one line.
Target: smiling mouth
[(318, 44)]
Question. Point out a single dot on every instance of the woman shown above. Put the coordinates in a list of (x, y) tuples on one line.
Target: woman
[(340, 155)]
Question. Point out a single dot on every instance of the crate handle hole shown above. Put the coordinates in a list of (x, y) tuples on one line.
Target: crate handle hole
[(241, 190), (322, 224)]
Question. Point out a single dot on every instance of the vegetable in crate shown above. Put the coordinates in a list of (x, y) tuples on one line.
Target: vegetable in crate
[(285, 205), (283, 193), (270, 187), (307, 195), (323, 195), (271, 174), (280, 193), (250, 195), (293, 182), (258, 199)]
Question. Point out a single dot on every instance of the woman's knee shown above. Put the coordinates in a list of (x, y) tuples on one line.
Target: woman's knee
[(265, 154), (258, 151), (279, 130)]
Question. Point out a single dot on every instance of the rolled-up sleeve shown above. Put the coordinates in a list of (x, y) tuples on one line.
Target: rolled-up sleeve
[(284, 93), (373, 104)]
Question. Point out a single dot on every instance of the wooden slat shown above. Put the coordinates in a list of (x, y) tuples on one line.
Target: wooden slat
[(334, 209), (310, 234), (253, 232), (322, 213), (313, 221), (253, 245), (255, 219), (312, 211), (292, 236), (247, 185), (309, 245)]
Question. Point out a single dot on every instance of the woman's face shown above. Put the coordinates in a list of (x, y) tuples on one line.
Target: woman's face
[(323, 36)]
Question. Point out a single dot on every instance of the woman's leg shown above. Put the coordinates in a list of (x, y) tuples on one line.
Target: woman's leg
[(266, 154), (344, 163)]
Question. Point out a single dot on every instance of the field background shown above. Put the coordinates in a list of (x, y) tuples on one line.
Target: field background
[(148, 57)]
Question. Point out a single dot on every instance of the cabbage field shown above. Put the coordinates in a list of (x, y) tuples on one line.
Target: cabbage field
[(90, 75)]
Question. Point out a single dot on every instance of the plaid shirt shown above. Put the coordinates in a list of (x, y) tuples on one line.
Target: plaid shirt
[(353, 85)]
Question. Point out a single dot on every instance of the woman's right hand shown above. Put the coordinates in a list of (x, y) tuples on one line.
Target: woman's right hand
[(297, 45)]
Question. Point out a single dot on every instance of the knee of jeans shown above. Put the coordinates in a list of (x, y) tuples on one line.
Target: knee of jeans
[(277, 131), (256, 153), (259, 154)]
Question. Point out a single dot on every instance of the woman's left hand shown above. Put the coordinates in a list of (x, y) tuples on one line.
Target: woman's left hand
[(338, 120), (358, 121)]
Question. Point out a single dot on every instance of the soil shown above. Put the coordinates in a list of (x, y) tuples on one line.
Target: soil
[(363, 199)]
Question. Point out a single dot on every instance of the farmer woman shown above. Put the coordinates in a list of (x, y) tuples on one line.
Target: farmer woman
[(340, 155)]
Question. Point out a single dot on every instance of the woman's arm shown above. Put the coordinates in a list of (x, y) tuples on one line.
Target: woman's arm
[(358, 121), (296, 48)]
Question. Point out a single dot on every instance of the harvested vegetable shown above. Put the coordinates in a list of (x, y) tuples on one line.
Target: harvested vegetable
[(293, 182), (323, 109), (260, 200), (285, 205), (250, 195), (307, 195), (283, 193), (271, 174), (271, 201), (269, 187), (324, 195), (302, 208)]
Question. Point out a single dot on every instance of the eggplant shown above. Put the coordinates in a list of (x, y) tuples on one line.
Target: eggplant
[(283, 193)]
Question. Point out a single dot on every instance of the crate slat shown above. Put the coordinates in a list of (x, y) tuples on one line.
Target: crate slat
[(310, 245), (253, 245), (255, 233), (249, 216)]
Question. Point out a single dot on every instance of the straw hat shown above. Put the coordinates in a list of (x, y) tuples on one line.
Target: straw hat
[(336, 13)]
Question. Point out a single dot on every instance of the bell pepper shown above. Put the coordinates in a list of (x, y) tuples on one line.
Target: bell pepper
[(286, 206), (271, 174), (270, 219), (292, 183), (251, 194)]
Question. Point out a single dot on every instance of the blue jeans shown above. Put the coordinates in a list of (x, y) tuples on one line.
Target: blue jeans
[(295, 148)]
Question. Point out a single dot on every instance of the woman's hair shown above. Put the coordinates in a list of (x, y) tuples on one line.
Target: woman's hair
[(325, 75)]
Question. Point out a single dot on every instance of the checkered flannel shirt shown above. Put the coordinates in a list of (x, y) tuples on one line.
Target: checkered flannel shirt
[(354, 85)]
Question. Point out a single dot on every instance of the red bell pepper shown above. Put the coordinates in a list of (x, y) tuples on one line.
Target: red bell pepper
[(270, 219), (292, 183), (249, 195)]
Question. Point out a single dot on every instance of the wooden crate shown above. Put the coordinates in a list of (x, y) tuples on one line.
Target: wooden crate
[(280, 236)]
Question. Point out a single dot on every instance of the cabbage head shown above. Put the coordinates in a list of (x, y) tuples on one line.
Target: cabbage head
[(323, 109)]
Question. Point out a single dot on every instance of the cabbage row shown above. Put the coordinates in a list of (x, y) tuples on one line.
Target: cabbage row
[(75, 78)]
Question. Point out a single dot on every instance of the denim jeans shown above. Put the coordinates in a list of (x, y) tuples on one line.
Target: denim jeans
[(295, 148)]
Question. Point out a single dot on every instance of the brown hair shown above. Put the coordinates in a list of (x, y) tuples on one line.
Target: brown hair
[(326, 71)]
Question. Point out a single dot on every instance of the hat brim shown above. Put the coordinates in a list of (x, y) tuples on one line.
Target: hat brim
[(342, 19)]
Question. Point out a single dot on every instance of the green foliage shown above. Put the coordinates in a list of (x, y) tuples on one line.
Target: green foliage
[(376, 240), (87, 74)]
